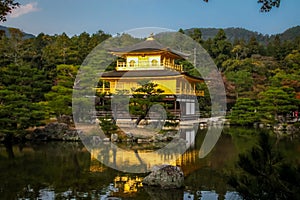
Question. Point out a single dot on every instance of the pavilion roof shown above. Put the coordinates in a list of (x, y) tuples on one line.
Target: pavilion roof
[(146, 73), (149, 45)]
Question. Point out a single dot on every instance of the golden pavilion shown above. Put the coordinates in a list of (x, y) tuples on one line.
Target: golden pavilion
[(152, 61)]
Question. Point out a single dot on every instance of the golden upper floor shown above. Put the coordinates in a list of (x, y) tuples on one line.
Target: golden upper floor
[(149, 60), (148, 55)]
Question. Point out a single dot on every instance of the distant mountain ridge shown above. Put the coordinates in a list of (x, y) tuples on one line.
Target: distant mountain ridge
[(242, 33), (6, 29), (290, 33), (231, 33)]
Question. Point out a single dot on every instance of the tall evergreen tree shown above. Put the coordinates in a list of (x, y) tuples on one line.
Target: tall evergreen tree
[(196, 35), (143, 98), (244, 112), (19, 99), (60, 97), (276, 102), (220, 48)]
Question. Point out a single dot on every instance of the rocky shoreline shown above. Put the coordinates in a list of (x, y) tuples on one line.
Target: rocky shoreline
[(56, 131), (62, 132), (53, 131)]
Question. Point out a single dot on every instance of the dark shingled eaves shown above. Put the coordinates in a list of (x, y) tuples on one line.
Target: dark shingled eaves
[(145, 73), (140, 73), (149, 45)]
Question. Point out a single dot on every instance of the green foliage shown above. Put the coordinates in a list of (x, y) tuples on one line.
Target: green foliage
[(244, 112), (278, 49), (249, 66), (247, 75), (188, 67), (262, 173), (267, 5), (254, 47), (196, 35), (243, 81), (103, 103), (171, 120), (60, 97), (108, 125), (220, 48), (284, 79), (17, 113), (6, 6), (181, 31), (239, 50), (143, 99), (290, 34), (59, 52), (204, 102), (20, 88), (12, 48), (277, 101), (292, 61)]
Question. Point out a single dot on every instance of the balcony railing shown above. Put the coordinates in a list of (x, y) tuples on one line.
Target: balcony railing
[(189, 92), (103, 90), (178, 91), (145, 65)]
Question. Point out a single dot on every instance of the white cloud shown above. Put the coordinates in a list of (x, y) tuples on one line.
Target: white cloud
[(24, 9)]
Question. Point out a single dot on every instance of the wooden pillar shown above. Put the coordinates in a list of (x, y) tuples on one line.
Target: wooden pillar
[(103, 86), (175, 108), (113, 89), (173, 64), (180, 87)]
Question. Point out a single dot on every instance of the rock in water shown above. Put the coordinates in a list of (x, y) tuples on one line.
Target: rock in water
[(166, 176), (114, 137)]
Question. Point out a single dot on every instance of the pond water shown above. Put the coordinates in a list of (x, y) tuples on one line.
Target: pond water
[(58, 170)]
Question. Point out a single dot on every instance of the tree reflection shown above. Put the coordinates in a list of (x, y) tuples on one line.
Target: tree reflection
[(263, 173)]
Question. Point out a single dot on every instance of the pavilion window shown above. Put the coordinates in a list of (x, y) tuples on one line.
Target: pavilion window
[(154, 62), (132, 63)]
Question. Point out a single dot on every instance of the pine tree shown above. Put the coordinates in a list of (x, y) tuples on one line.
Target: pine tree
[(19, 99), (244, 112), (143, 98), (263, 174), (59, 99)]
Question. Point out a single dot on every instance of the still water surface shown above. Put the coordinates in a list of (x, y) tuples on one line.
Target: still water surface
[(58, 170)]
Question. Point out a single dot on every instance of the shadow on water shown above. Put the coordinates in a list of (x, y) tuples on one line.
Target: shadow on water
[(67, 170)]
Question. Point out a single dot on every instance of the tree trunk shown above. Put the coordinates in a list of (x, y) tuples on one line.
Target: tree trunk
[(139, 119), (8, 145)]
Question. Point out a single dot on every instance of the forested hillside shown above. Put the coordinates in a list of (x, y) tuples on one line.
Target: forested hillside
[(241, 33), (5, 30), (232, 34), (290, 34), (262, 80), (37, 76)]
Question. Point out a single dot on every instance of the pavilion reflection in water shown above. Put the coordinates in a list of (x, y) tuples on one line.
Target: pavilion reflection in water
[(199, 172), (137, 159)]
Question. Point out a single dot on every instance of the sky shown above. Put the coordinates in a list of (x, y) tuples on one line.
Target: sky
[(74, 17)]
